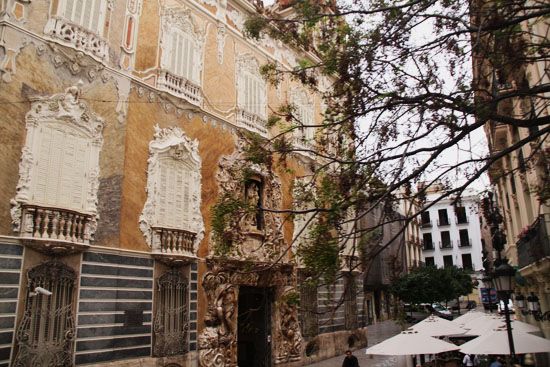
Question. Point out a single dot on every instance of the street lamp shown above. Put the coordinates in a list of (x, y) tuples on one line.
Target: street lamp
[(503, 279)]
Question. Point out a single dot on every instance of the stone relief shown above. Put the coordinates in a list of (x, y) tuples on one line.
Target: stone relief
[(220, 38), (218, 340), (66, 113), (173, 144), (249, 242), (288, 339)]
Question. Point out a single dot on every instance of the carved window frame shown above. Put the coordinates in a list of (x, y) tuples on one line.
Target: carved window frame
[(251, 86), (304, 112), (36, 338), (180, 23), (65, 114), (171, 324), (169, 147)]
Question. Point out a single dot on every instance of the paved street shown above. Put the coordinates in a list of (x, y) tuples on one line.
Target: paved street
[(376, 333)]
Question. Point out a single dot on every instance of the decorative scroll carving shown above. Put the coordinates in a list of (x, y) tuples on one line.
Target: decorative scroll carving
[(171, 319), (251, 244), (67, 116), (78, 37), (288, 339), (173, 156), (220, 38), (46, 333)]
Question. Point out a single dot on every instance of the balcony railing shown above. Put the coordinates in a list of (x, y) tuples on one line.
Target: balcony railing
[(426, 224), (179, 86), (463, 220), (77, 36), (443, 222), (43, 223), (534, 245), (252, 122), (173, 241), (443, 245), (465, 243), (427, 245)]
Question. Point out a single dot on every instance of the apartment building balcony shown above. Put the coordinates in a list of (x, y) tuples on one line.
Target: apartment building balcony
[(427, 245), (173, 245), (463, 220), (179, 87), (534, 243), (443, 222), (251, 122), (426, 224), (465, 243), (446, 245), (55, 230)]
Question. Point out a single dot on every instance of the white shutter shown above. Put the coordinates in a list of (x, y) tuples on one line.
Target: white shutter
[(95, 16), (241, 92), (87, 15), (68, 9), (172, 209), (77, 12)]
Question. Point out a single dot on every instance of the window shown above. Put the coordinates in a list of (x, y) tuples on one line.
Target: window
[(464, 238), (447, 261), (467, 261), (59, 170), (171, 316), (181, 55), (251, 95), (443, 218), (427, 241), (446, 239), (426, 222), (46, 330), (303, 113), (171, 220), (89, 14), (429, 260), (461, 216)]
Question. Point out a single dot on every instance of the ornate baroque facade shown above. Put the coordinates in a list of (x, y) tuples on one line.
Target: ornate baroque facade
[(123, 123)]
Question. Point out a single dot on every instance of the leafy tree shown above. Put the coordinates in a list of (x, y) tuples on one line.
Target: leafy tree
[(430, 284), (408, 86)]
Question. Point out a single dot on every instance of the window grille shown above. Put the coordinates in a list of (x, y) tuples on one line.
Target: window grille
[(45, 335), (171, 317)]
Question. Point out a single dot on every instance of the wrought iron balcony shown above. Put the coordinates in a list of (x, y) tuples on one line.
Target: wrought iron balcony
[(427, 245), (443, 245), (443, 222), (534, 244)]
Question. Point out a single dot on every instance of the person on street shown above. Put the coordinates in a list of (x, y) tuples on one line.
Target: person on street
[(468, 361), (496, 363), (350, 360)]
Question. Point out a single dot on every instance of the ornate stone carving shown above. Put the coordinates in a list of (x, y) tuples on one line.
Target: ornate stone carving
[(70, 34), (217, 342), (67, 115), (220, 39), (251, 244), (288, 340), (171, 150)]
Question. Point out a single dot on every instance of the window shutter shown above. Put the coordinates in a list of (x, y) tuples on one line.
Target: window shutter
[(95, 16), (77, 12), (68, 9), (173, 194)]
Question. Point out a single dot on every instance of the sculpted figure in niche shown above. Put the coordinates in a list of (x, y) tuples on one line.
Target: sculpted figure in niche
[(253, 198)]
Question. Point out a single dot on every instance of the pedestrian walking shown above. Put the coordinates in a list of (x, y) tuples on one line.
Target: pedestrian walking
[(350, 360), (467, 361), (496, 363)]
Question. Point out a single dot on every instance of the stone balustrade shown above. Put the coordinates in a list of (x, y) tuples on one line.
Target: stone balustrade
[(77, 36), (179, 86), (173, 241), (251, 122), (55, 224)]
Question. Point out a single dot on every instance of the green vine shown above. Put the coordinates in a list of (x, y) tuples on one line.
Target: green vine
[(225, 215)]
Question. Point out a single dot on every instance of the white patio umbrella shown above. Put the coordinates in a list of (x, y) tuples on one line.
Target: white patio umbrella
[(496, 342), (485, 325), (437, 326), (410, 342), (468, 316)]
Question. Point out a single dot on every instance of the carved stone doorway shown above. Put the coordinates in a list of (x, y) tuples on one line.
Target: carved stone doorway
[(254, 326)]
